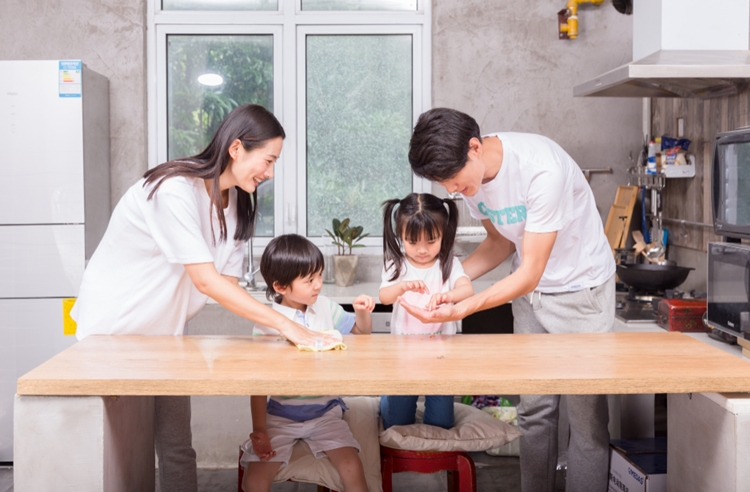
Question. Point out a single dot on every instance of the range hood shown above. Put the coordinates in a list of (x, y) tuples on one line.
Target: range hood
[(674, 73), (682, 48)]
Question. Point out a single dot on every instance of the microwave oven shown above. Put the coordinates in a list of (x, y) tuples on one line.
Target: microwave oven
[(730, 184), (729, 288)]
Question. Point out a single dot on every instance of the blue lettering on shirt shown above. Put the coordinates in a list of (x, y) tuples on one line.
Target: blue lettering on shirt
[(513, 215)]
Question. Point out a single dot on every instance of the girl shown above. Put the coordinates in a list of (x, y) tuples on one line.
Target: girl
[(175, 239), (418, 265)]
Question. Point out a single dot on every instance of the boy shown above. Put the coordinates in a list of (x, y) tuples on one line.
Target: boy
[(292, 267)]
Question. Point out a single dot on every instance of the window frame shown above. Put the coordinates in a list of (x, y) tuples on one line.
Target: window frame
[(289, 27)]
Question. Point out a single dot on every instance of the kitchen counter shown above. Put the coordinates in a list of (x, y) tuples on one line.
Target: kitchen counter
[(345, 295)]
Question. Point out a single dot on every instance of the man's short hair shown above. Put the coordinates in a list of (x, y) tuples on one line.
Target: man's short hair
[(439, 145), (287, 258)]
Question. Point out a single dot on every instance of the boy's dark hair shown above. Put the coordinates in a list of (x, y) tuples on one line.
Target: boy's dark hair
[(286, 259), (439, 145), (416, 215)]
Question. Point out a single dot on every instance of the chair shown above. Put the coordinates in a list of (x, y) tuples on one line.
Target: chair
[(462, 475), (241, 474)]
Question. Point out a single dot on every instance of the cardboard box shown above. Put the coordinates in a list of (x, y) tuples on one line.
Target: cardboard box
[(638, 465)]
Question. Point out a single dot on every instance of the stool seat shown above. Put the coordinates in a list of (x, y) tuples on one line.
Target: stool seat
[(462, 475)]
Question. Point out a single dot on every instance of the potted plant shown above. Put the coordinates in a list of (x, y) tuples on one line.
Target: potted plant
[(345, 263)]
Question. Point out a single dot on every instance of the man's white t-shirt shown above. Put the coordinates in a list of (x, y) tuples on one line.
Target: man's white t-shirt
[(540, 188), (403, 323), (135, 282)]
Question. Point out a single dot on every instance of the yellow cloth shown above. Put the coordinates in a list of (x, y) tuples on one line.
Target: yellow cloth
[(337, 345)]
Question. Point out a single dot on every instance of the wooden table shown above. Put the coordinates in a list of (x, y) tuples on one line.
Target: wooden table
[(91, 406), (384, 364)]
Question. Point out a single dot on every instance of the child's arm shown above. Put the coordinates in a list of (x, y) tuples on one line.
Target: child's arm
[(462, 290), (363, 306), (388, 295), (259, 436)]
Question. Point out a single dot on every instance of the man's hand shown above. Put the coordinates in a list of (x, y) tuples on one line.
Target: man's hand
[(447, 312), (363, 303), (437, 300), (262, 445)]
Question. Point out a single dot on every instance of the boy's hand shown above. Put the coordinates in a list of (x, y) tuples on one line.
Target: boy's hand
[(262, 445), (415, 286), (364, 303), (438, 300)]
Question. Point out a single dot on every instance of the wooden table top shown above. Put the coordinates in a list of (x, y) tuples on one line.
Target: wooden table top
[(607, 363)]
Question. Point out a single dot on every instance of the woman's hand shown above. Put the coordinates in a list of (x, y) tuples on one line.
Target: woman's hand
[(437, 300), (414, 286), (262, 445), (363, 303), (299, 335)]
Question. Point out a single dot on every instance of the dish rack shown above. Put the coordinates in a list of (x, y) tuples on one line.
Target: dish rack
[(640, 178), (469, 229)]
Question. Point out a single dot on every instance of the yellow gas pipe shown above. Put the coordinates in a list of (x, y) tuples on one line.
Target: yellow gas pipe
[(571, 28)]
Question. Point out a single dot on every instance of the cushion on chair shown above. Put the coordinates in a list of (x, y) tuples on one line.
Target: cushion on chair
[(474, 430), (363, 419)]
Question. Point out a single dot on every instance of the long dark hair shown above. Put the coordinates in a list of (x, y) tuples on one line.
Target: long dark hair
[(416, 215), (252, 125)]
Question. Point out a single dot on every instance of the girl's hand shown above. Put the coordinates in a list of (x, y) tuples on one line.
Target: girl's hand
[(262, 445), (415, 286), (363, 303), (438, 300)]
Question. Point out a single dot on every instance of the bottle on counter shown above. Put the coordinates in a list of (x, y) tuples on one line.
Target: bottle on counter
[(658, 154), (651, 162)]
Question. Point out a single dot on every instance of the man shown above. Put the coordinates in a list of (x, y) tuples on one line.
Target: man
[(533, 201)]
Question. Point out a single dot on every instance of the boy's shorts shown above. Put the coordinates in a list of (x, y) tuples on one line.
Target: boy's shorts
[(327, 432)]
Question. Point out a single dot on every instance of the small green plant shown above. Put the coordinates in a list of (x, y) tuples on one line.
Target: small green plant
[(346, 237)]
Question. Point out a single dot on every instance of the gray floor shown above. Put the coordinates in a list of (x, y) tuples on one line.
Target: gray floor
[(494, 474)]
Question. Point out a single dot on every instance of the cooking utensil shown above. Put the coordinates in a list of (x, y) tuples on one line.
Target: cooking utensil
[(649, 277), (640, 243), (657, 248)]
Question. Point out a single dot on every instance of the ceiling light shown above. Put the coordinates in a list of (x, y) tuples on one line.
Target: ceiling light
[(211, 79)]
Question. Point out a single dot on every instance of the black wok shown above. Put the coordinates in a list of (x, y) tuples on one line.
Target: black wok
[(650, 277)]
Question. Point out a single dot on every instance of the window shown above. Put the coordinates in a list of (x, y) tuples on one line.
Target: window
[(346, 78)]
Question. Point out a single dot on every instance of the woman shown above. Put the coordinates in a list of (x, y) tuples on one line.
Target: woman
[(175, 239)]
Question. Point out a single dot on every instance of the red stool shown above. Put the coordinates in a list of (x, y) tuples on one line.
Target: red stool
[(462, 475), (241, 474)]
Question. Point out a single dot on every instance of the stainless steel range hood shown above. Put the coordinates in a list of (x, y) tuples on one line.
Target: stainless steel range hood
[(681, 48), (674, 73)]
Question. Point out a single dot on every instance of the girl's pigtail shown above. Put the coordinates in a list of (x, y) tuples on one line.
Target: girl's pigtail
[(449, 237), (391, 250)]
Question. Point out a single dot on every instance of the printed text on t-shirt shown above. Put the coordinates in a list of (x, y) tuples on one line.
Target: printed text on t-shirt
[(512, 215)]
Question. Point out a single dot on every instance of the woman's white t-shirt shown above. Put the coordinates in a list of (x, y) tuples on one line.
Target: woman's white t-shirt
[(403, 323), (135, 282), (540, 188)]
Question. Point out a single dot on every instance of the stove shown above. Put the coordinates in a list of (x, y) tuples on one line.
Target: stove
[(634, 310), (642, 307)]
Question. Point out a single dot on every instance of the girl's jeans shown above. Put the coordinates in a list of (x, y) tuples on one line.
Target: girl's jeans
[(402, 410)]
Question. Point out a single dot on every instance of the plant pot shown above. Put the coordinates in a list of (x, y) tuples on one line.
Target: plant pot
[(344, 269)]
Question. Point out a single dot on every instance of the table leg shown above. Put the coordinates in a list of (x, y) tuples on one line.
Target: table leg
[(92, 443)]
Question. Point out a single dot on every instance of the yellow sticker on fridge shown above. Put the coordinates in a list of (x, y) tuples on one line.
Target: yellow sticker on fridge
[(69, 325)]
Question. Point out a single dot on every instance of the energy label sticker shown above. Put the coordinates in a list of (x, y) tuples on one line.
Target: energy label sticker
[(70, 78)]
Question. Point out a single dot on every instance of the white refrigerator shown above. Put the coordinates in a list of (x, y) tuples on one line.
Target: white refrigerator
[(54, 208)]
